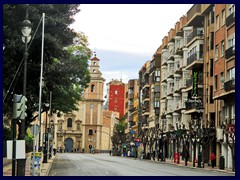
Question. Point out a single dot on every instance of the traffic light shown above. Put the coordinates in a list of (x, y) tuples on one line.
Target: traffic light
[(19, 107)]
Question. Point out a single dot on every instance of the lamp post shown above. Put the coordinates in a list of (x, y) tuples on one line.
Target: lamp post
[(45, 136), (26, 28), (163, 117)]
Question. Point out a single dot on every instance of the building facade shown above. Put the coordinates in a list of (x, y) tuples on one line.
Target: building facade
[(197, 78), (116, 97)]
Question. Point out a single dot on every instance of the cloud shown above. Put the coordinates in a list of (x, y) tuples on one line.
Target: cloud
[(121, 61)]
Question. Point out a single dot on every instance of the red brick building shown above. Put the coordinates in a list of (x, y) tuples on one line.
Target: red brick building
[(116, 97)]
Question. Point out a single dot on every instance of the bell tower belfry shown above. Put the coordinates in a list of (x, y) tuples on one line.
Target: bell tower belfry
[(93, 107)]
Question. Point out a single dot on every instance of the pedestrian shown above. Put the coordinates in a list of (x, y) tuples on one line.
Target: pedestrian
[(213, 159), (154, 155), (142, 154), (110, 152)]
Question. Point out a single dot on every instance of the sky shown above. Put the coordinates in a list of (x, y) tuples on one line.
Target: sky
[(125, 36)]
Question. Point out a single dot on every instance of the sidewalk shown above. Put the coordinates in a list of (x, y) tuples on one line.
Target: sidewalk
[(7, 167), (190, 165)]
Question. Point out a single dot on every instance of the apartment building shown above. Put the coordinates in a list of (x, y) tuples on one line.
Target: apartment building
[(224, 81), (131, 122), (197, 81)]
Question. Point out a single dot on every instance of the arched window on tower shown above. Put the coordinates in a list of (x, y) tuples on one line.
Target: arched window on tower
[(78, 126), (92, 88), (69, 122)]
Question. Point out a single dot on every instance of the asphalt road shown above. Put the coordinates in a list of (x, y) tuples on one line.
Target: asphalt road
[(71, 164)]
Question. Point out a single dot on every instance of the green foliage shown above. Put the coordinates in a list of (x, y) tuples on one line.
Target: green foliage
[(119, 134), (65, 72), (7, 133)]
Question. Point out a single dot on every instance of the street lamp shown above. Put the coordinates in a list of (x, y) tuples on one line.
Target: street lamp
[(26, 27), (46, 105)]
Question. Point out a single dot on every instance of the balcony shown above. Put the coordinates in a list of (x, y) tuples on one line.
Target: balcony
[(194, 57), (230, 52), (130, 106), (198, 32), (229, 85), (177, 105), (170, 90), (193, 105), (171, 72), (130, 96), (230, 19)]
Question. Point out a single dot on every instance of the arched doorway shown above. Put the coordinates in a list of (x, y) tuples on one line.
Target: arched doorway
[(68, 145)]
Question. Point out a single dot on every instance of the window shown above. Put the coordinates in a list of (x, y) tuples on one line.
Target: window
[(222, 49), (90, 132), (231, 42), (217, 22), (69, 123), (78, 126), (222, 80), (94, 70), (92, 88), (216, 82), (60, 126), (212, 41), (223, 17), (116, 92), (94, 63), (157, 73), (115, 100), (231, 73), (216, 52), (211, 95), (231, 9), (156, 104), (211, 67), (157, 79), (115, 108)]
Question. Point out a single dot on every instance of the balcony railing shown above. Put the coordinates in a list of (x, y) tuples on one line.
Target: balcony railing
[(170, 90), (230, 52), (230, 19), (229, 85), (196, 32), (196, 56)]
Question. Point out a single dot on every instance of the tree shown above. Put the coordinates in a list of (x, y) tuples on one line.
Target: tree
[(65, 72), (119, 133)]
